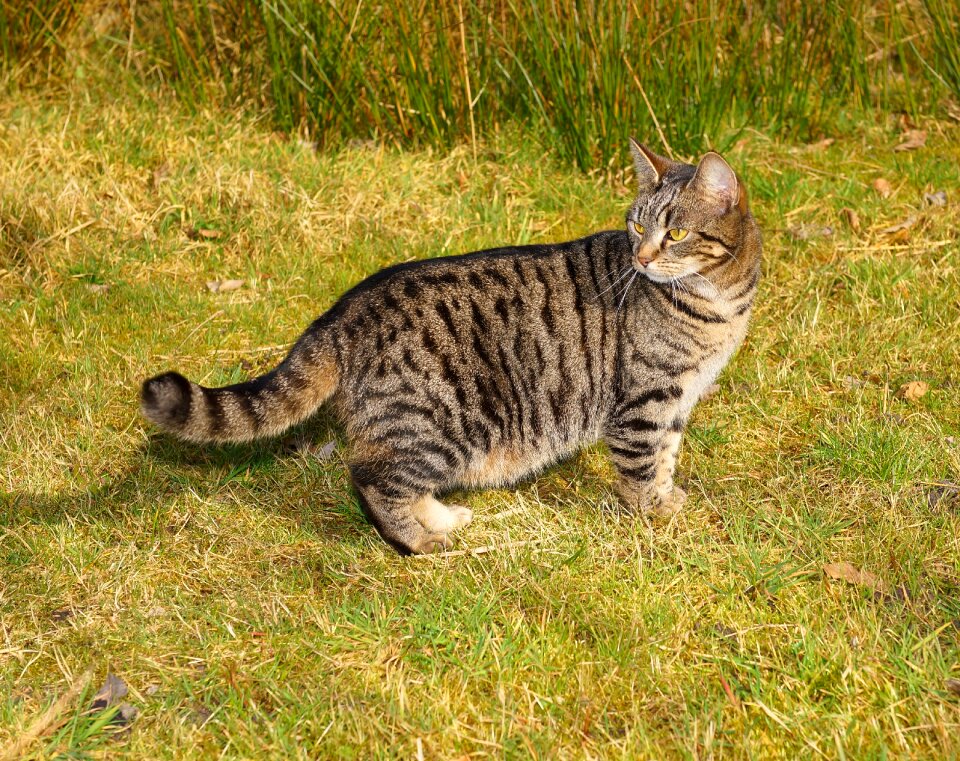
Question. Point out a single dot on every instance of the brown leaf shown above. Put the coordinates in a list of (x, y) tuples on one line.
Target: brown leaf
[(852, 575), (851, 218), (203, 233), (110, 692), (883, 187), (912, 391), (936, 199), (222, 286), (806, 232), (953, 686), (900, 227), (944, 494), (98, 287), (912, 139), (820, 144)]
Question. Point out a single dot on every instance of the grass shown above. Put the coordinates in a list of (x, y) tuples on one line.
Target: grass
[(440, 73), (253, 612)]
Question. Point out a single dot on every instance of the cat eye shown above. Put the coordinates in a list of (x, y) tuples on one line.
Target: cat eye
[(638, 227), (677, 233)]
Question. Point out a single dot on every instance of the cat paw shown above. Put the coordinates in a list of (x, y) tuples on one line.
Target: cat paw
[(667, 505), (432, 543), (462, 516)]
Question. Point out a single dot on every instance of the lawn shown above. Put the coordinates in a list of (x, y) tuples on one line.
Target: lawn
[(805, 603)]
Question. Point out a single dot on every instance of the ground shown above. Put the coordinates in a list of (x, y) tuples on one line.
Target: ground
[(250, 609)]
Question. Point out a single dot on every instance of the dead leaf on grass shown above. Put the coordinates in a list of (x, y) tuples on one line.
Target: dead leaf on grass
[(820, 144), (900, 226), (62, 615), (912, 391), (953, 686), (944, 494), (883, 187), (98, 287), (851, 218), (912, 139), (852, 575), (203, 233), (806, 232), (112, 689), (936, 199), (222, 286)]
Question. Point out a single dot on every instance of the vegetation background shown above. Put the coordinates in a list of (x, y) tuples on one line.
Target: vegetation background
[(187, 184)]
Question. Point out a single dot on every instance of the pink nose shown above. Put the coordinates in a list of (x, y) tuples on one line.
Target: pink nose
[(644, 261)]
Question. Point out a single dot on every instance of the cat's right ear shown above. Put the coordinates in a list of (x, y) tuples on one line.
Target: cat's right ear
[(648, 165)]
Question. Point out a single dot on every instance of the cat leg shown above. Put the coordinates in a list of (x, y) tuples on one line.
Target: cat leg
[(645, 463), (396, 493), (393, 516)]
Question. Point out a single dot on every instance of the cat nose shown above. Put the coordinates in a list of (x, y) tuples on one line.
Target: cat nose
[(644, 261)]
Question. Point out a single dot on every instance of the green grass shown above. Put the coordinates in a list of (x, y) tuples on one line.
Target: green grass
[(252, 610), (690, 76)]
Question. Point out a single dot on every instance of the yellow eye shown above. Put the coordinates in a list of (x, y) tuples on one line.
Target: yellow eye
[(638, 227), (677, 233)]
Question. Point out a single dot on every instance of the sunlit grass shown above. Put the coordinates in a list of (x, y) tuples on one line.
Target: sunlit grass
[(251, 609)]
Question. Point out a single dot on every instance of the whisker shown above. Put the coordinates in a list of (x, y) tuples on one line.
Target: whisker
[(626, 272), (624, 297)]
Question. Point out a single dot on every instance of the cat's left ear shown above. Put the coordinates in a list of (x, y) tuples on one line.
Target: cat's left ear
[(716, 182), (648, 165)]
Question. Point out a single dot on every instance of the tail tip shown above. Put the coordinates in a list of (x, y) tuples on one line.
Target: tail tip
[(165, 400)]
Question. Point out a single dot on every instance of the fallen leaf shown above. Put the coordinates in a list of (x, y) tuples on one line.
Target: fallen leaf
[(852, 575), (936, 199), (203, 233), (900, 231), (222, 286), (953, 686), (851, 218), (912, 139), (883, 187), (112, 689), (912, 391), (62, 615), (806, 232), (98, 287), (151, 690), (820, 144), (943, 494)]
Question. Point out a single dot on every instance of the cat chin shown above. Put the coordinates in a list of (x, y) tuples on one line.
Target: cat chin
[(656, 277)]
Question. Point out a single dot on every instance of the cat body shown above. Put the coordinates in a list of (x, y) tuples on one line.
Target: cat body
[(481, 369)]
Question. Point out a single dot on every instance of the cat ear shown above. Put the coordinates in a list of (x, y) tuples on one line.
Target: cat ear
[(716, 181), (650, 167)]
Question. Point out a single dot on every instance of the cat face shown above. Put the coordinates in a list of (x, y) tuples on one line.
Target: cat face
[(686, 219)]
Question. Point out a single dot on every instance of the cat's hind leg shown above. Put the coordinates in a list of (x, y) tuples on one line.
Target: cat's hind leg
[(396, 493)]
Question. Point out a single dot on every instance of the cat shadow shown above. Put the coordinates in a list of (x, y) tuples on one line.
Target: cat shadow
[(163, 469)]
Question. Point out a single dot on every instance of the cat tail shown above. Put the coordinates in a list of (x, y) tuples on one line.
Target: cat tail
[(264, 406)]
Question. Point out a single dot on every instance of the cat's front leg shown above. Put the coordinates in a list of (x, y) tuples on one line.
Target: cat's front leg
[(645, 458)]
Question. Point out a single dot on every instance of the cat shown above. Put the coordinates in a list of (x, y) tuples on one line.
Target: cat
[(482, 369)]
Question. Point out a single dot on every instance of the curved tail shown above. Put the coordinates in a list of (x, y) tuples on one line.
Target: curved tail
[(260, 407)]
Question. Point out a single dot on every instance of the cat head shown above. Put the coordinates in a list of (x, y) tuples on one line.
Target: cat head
[(686, 218)]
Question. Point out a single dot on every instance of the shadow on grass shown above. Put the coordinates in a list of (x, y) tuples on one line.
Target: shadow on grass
[(300, 486)]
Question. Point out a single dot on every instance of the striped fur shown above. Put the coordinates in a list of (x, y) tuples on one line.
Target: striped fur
[(478, 370)]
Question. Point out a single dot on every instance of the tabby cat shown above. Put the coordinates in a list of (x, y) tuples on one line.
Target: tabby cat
[(481, 369)]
